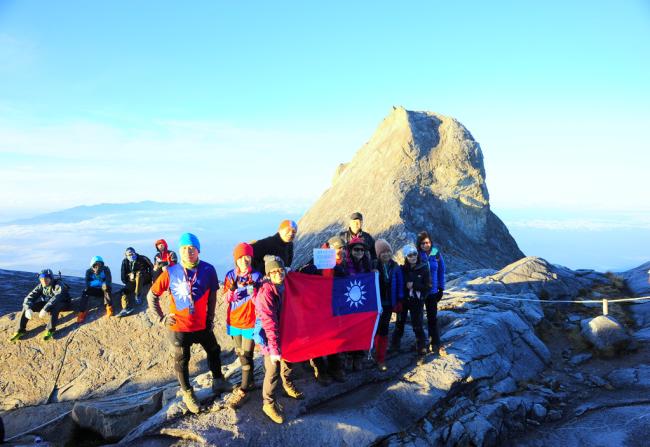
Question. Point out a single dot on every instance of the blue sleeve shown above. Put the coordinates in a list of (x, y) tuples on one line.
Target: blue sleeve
[(400, 284), (441, 273)]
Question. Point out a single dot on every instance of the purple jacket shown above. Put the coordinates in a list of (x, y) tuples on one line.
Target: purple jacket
[(268, 302)]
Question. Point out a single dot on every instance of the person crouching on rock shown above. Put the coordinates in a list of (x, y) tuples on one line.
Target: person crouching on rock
[(433, 258), (98, 284), (391, 289), (268, 303), (417, 281), (136, 276), (192, 287), (240, 287), (48, 298)]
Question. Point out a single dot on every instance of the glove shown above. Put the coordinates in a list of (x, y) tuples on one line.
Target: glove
[(42, 313), (275, 358), (398, 307), (439, 294), (29, 314), (233, 286), (168, 320)]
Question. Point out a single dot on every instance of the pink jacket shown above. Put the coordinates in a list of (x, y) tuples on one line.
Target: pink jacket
[(268, 302)]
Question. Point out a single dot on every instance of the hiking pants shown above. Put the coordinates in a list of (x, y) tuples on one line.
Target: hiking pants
[(182, 342), (415, 307), (244, 349), (96, 292), (272, 372), (431, 303), (53, 311)]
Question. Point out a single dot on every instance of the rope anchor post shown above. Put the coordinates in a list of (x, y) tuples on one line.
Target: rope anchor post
[(605, 307)]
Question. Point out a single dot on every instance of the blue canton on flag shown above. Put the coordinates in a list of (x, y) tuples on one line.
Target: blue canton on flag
[(355, 294)]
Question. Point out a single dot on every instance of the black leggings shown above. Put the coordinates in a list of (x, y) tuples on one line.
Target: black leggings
[(431, 303), (182, 342), (244, 349), (415, 307)]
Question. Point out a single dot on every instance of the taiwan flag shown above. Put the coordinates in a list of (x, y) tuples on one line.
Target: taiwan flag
[(322, 316)]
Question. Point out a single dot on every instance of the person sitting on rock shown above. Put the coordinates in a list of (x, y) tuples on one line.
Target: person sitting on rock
[(391, 289), (268, 302), (431, 255), (136, 276), (98, 284), (280, 245), (240, 286), (331, 366), (358, 261), (163, 258), (417, 282), (355, 230), (48, 298), (192, 287)]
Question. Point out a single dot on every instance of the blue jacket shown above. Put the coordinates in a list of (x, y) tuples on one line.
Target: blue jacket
[(396, 282), (437, 269)]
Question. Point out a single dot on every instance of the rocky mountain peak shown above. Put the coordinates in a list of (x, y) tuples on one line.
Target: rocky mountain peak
[(419, 171)]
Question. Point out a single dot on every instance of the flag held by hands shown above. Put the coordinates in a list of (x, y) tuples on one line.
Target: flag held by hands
[(322, 316)]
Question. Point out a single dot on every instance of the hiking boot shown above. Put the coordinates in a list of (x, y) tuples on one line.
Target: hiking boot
[(81, 317), (382, 367), (190, 401), (109, 311), (138, 300), (17, 335), (237, 398), (291, 391), (395, 345), (338, 375), (125, 313), (273, 413), (357, 364), (49, 334), (322, 377), (220, 385)]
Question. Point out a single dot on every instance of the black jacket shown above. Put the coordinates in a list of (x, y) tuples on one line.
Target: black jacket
[(419, 275), (369, 240), (272, 245), (141, 264)]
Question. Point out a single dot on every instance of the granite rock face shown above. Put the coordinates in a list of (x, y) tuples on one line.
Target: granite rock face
[(531, 275), (638, 279), (419, 171)]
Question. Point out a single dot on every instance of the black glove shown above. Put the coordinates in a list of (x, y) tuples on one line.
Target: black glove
[(233, 286)]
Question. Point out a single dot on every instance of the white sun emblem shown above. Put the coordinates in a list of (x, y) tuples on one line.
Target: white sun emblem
[(356, 295)]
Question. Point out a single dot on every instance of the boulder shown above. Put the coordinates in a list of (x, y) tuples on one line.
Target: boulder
[(114, 418), (419, 171), (604, 333)]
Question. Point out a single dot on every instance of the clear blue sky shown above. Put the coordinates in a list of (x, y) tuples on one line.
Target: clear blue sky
[(115, 101)]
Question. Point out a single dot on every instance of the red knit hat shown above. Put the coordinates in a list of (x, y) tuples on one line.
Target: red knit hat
[(242, 249)]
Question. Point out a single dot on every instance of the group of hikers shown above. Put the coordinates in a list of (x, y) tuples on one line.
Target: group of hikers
[(254, 291)]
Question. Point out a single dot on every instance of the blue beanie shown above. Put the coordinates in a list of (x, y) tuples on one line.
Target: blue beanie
[(189, 239)]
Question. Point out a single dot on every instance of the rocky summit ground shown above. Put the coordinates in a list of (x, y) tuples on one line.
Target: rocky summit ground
[(514, 369)]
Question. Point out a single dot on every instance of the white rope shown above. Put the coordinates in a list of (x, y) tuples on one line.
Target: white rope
[(619, 300)]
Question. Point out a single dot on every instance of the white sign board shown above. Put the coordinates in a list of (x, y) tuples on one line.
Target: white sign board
[(324, 258)]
